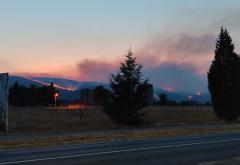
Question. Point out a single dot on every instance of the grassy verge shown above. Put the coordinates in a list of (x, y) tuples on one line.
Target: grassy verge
[(129, 135)]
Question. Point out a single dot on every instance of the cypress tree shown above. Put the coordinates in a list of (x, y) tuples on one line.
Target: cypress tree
[(224, 79)]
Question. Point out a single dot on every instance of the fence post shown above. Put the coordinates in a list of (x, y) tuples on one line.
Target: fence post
[(4, 101)]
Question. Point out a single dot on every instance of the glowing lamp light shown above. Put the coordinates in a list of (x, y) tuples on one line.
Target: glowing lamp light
[(55, 99)]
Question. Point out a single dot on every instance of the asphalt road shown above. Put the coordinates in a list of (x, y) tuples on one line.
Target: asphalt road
[(179, 150)]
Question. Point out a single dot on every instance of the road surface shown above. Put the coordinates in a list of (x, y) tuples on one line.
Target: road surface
[(178, 150)]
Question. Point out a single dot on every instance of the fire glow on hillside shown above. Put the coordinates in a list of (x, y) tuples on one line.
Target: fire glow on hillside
[(54, 84), (197, 94)]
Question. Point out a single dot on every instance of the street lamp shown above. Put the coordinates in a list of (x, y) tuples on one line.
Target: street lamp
[(55, 98)]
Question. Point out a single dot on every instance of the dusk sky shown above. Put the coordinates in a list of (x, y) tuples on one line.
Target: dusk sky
[(86, 39)]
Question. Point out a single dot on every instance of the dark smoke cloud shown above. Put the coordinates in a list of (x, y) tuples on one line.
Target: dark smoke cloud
[(176, 78), (169, 76), (177, 64), (196, 51)]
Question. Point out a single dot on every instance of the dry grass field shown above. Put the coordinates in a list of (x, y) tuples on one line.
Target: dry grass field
[(44, 119), (172, 115)]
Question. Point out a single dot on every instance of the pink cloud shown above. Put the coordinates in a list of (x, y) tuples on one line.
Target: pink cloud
[(93, 70)]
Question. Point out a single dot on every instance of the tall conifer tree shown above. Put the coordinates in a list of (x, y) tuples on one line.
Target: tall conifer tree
[(128, 93), (224, 79)]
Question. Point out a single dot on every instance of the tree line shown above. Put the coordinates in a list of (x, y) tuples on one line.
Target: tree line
[(33, 95)]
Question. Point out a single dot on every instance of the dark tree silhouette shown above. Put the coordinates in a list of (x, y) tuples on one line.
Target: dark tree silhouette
[(17, 95), (100, 95), (128, 93), (31, 96), (163, 99), (224, 79)]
